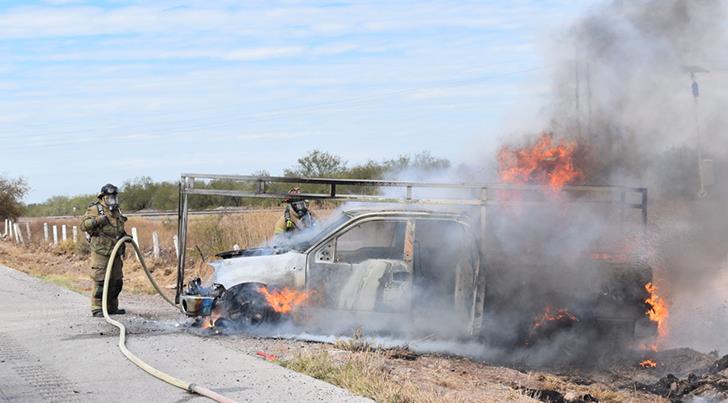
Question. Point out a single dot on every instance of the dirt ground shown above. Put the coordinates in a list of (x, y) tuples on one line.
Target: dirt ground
[(399, 374)]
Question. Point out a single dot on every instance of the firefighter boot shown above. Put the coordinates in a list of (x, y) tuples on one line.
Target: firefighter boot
[(114, 291), (97, 294)]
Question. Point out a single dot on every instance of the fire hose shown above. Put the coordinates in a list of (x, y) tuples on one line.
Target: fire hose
[(189, 387)]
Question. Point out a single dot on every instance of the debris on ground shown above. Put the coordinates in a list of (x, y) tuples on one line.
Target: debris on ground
[(267, 356), (709, 383)]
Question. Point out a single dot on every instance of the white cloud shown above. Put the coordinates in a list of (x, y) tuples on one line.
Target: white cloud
[(268, 21), (262, 53)]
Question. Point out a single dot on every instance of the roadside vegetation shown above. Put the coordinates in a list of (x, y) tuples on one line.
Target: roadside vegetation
[(364, 374), (68, 263), (143, 193), (146, 194), (11, 195)]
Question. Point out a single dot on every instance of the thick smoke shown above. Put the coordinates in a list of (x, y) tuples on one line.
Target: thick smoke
[(624, 90), (623, 87)]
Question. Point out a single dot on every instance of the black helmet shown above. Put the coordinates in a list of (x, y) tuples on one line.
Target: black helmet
[(108, 189)]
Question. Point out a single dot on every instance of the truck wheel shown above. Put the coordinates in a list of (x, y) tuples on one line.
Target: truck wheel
[(245, 306)]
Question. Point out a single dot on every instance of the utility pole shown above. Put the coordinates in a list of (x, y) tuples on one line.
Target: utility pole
[(705, 166), (577, 91), (588, 99)]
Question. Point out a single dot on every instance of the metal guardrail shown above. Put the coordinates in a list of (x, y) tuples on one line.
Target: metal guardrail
[(161, 213)]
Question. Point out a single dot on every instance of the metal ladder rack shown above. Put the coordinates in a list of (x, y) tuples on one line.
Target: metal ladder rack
[(476, 195)]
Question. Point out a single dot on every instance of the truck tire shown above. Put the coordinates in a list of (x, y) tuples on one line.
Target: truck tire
[(244, 306)]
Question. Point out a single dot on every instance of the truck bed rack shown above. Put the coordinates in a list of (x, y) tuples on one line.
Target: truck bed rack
[(462, 194)]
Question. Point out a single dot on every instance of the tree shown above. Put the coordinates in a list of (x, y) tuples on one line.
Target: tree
[(318, 164), (137, 194), (426, 162), (11, 194)]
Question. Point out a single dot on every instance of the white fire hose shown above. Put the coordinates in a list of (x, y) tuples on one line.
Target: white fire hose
[(190, 387)]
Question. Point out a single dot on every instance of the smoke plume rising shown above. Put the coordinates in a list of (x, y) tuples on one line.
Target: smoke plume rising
[(641, 87)]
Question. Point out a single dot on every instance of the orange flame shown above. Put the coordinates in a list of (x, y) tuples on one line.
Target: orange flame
[(209, 321), (551, 314), (609, 257), (285, 299), (648, 364), (544, 162), (657, 311)]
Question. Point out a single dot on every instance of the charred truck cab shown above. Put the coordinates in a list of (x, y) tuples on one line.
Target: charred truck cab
[(380, 264)]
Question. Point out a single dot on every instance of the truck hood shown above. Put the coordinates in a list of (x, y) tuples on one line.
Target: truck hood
[(284, 270)]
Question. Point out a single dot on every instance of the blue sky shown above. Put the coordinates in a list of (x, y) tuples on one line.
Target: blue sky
[(97, 92)]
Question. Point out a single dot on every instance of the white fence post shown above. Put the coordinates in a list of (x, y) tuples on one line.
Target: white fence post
[(135, 236), (55, 235), (11, 229), (6, 227), (14, 232), (18, 234), (175, 241), (64, 233), (27, 230), (45, 232), (74, 231), (155, 244)]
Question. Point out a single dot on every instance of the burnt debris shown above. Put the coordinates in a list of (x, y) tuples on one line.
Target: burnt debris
[(709, 383)]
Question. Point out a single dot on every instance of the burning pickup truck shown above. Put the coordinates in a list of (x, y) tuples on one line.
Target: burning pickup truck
[(475, 263)]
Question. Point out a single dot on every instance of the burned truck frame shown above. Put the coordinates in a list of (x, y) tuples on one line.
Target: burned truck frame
[(468, 204)]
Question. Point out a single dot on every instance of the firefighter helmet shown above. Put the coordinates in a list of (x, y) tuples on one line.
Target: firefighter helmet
[(108, 189)]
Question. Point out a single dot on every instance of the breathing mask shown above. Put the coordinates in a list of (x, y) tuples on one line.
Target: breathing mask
[(300, 207), (112, 201)]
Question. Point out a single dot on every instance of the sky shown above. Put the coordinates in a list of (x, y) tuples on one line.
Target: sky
[(97, 92)]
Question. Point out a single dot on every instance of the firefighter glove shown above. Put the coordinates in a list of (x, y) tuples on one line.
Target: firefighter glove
[(102, 220)]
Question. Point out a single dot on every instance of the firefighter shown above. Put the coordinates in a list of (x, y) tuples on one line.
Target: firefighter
[(296, 217), (104, 224)]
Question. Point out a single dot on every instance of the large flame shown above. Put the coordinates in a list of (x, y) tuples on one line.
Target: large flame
[(657, 311), (545, 162), (285, 299)]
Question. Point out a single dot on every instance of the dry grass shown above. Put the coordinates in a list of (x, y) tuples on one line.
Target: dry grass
[(68, 264), (364, 374), (212, 234), (357, 343)]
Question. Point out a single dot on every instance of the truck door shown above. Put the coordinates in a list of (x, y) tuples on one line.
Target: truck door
[(445, 270), (364, 269)]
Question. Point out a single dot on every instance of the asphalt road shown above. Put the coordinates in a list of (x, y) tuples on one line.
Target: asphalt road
[(51, 349)]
